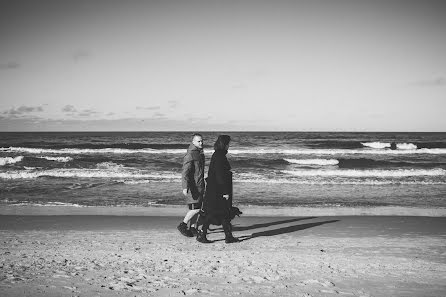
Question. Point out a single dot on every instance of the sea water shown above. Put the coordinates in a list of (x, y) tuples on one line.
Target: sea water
[(271, 169)]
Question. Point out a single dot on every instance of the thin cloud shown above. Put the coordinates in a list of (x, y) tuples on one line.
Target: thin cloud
[(159, 115), (69, 109), (73, 111), (437, 82), (173, 103), (9, 66), (124, 124), (23, 110), (153, 123), (87, 113), (148, 107)]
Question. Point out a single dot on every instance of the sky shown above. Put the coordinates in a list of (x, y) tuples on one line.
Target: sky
[(334, 65)]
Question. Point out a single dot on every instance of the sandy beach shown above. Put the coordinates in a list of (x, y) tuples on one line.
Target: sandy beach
[(99, 255)]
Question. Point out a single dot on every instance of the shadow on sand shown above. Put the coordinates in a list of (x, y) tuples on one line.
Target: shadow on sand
[(263, 225), (284, 230), (255, 226), (279, 231)]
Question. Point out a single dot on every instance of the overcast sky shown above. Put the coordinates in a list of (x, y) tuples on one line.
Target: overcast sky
[(223, 65)]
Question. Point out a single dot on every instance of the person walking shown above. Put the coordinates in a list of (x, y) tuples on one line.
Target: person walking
[(193, 184), (218, 198)]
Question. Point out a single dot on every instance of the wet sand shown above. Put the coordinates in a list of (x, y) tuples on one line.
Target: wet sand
[(99, 255)]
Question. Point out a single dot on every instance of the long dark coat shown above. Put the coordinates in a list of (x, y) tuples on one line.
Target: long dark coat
[(219, 183)]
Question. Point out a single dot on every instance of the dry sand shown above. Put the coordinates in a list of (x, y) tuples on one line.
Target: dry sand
[(282, 256)]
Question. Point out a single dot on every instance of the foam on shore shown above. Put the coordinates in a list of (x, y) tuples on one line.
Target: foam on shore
[(180, 210)]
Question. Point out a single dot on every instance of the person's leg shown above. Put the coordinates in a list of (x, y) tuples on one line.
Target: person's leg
[(194, 221), (183, 226), (227, 228), (190, 221), (190, 214), (201, 237)]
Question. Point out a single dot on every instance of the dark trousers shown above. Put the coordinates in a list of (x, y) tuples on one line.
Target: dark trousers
[(226, 224)]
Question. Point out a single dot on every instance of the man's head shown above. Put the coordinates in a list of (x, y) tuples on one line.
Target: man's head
[(197, 140)]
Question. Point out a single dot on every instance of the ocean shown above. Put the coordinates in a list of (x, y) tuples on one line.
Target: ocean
[(271, 169)]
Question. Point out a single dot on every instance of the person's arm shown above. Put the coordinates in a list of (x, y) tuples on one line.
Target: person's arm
[(185, 175)]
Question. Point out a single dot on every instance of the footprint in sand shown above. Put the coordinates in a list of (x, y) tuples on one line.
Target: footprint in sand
[(258, 279), (329, 291), (322, 283)]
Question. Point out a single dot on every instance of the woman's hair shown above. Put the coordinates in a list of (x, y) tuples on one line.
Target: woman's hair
[(222, 142)]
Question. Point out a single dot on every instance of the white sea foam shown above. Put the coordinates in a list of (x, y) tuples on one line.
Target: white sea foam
[(10, 160), (406, 146), (109, 166), (235, 151), (322, 180), (304, 177), (320, 162), (57, 159), (47, 204), (141, 181), (376, 145), (92, 151), (331, 152), (88, 173), (383, 145), (367, 173), (337, 182), (30, 168)]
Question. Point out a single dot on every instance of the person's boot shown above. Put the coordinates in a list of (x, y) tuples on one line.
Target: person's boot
[(182, 227), (228, 234), (230, 239), (201, 237), (194, 231)]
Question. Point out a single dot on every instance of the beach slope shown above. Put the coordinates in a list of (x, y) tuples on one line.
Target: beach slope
[(282, 256)]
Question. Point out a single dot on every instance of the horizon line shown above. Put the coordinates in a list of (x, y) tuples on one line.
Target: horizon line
[(205, 131)]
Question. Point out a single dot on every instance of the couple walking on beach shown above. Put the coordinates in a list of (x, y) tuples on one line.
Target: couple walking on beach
[(208, 202)]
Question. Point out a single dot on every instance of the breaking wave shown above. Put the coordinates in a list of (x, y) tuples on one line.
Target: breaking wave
[(320, 162), (109, 166), (368, 163), (88, 173), (236, 151), (383, 145), (75, 151), (43, 204), (262, 151), (10, 160), (367, 173), (406, 146), (57, 159), (338, 182)]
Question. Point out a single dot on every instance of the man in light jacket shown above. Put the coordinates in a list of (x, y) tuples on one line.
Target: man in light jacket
[(193, 183)]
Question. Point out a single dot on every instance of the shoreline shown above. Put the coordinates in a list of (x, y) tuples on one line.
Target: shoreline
[(179, 210), (270, 226), (124, 256)]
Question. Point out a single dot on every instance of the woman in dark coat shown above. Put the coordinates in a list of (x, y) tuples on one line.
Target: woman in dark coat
[(218, 198)]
